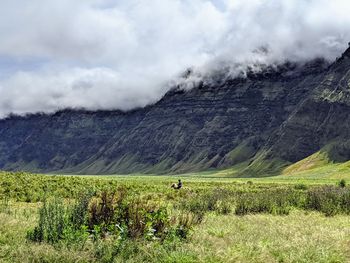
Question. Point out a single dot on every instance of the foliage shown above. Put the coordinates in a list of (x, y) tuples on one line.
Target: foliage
[(329, 200), (5, 206), (116, 219), (301, 187), (52, 222), (342, 183), (108, 214), (277, 202), (218, 200)]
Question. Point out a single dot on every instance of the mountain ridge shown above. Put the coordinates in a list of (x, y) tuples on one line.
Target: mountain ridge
[(265, 121)]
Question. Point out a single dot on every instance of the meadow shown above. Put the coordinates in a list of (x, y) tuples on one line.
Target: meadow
[(213, 218)]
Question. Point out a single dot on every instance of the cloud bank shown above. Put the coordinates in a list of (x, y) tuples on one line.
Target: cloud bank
[(120, 54)]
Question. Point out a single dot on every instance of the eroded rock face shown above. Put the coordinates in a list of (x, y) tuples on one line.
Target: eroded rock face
[(321, 120), (288, 113)]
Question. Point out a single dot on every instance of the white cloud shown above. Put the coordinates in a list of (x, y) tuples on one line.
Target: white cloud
[(105, 54)]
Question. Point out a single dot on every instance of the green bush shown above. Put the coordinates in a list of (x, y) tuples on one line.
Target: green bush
[(52, 222), (5, 206), (342, 183), (108, 214), (80, 211), (217, 200), (184, 224), (300, 187), (224, 207), (277, 202), (329, 200), (15, 186), (249, 183)]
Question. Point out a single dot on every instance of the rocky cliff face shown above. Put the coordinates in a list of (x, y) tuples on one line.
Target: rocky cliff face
[(321, 121), (266, 120)]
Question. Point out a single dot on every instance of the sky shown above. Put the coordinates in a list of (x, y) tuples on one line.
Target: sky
[(124, 54)]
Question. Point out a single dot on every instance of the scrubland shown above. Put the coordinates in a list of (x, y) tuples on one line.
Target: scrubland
[(47, 218)]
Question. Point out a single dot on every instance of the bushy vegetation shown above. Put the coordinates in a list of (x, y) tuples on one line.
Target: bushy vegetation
[(277, 202), (113, 215), (329, 200), (342, 183), (59, 222), (15, 186), (218, 200), (144, 220)]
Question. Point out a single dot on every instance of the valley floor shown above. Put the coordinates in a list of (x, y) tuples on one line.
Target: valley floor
[(297, 235)]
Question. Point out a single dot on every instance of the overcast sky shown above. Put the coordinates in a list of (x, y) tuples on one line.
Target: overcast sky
[(119, 54)]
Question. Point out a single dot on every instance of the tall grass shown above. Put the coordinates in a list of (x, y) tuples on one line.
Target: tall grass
[(277, 202), (115, 215), (137, 221), (329, 200), (5, 205)]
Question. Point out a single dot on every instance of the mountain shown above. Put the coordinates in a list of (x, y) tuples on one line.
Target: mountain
[(321, 122), (264, 121)]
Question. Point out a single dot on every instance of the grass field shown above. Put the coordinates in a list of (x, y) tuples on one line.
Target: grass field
[(289, 218)]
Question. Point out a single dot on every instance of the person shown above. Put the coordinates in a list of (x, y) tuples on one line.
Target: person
[(177, 186)]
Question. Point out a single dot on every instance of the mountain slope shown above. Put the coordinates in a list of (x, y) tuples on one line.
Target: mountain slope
[(320, 122), (264, 121)]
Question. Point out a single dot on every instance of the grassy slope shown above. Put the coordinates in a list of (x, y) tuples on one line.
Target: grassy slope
[(316, 168)]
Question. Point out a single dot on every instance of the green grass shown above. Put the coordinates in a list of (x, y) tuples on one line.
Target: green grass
[(292, 217), (315, 169), (300, 235)]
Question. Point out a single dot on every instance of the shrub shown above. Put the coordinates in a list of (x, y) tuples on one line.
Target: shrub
[(144, 219), (217, 200), (129, 217), (273, 202), (249, 183), (102, 211), (185, 223), (58, 222), (342, 183), (79, 213), (5, 206), (224, 208), (112, 214), (329, 200), (300, 187), (50, 228)]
